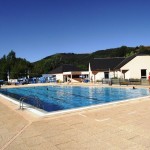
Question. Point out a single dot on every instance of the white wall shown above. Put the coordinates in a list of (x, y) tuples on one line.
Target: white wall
[(135, 66), (100, 75), (59, 77), (118, 74)]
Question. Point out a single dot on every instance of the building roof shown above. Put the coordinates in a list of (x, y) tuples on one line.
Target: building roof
[(64, 68), (105, 64), (125, 61)]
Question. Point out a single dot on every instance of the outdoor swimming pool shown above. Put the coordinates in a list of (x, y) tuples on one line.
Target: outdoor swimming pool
[(54, 98)]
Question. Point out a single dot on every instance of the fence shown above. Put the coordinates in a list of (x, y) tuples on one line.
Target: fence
[(125, 81)]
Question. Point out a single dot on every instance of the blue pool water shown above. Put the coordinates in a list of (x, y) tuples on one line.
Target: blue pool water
[(53, 98)]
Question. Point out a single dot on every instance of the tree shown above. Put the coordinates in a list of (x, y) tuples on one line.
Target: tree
[(17, 67)]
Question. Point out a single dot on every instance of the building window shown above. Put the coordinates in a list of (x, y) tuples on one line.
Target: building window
[(143, 73)]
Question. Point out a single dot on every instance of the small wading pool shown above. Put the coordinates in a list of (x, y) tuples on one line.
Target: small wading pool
[(54, 98)]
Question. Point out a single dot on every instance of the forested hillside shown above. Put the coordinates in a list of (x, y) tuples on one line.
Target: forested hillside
[(19, 67), (15, 67)]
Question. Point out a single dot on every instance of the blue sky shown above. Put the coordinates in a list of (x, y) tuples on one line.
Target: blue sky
[(35, 29)]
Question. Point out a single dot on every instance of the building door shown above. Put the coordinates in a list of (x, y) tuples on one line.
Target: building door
[(143, 73), (106, 75)]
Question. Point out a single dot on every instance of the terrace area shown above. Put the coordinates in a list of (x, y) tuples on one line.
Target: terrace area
[(116, 126)]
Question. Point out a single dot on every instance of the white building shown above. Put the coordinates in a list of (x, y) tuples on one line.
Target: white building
[(137, 67), (67, 72), (133, 67), (103, 68)]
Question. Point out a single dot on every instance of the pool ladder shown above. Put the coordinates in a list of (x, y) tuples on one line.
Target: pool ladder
[(36, 101)]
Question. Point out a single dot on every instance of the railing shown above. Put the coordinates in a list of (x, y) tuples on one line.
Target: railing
[(107, 81), (125, 81), (21, 102), (36, 100)]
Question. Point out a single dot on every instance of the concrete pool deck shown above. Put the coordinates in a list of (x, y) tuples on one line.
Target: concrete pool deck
[(112, 127)]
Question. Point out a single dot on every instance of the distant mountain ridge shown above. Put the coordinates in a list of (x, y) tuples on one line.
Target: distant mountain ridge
[(48, 63), (18, 67)]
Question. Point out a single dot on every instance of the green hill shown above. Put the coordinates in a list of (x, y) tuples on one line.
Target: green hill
[(81, 60), (19, 67)]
